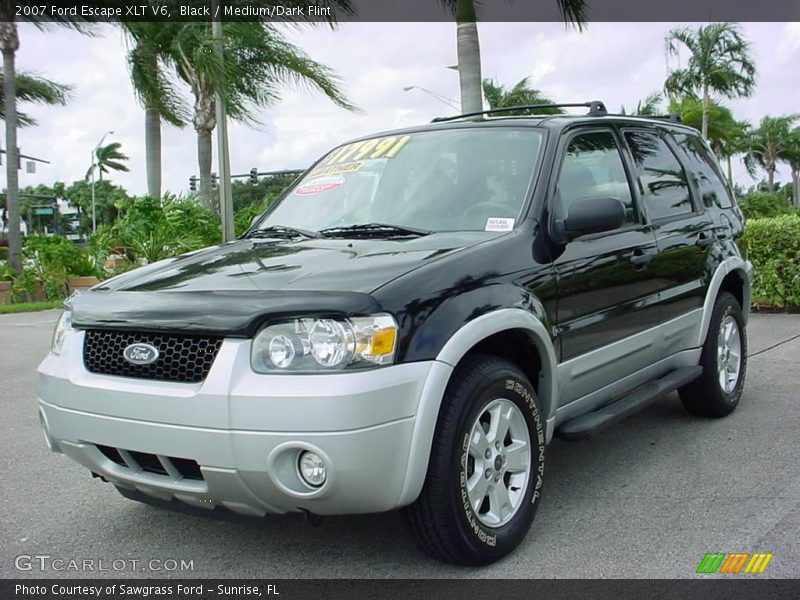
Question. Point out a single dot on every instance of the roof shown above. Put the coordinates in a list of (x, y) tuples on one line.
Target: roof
[(597, 113)]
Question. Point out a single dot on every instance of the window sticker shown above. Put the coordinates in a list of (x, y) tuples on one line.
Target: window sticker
[(336, 169), (499, 224), (319, 185)]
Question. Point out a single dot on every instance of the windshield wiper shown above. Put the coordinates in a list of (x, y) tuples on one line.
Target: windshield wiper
[(374, 230), (282, 232)]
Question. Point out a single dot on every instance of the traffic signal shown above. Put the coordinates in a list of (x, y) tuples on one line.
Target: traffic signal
[(214, 181), (253, 176), (192, 183)]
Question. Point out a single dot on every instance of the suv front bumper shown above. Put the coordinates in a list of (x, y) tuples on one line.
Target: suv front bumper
[(245, 432)]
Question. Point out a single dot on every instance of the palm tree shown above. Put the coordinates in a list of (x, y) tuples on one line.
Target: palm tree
[(719, 62), (770, 143), (36, 90), (498, 96), (792, 158), (257, 59), (108, 158), (9, 44), (726, 135), (649, 106), (150, 45), (469, 51)]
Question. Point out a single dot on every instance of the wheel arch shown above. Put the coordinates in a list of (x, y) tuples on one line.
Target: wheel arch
[(499, 332), (733, 275)]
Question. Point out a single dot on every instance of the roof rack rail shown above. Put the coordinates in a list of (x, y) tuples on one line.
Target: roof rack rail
[(596, 109), (672, 117)]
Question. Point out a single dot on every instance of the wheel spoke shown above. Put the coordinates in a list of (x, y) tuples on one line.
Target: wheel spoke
[(476, 489), (505, 422), (499, 502), (518, 456), (478, 442)]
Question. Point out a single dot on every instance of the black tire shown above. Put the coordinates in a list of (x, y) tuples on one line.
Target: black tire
[(442, 518), (705, 396)]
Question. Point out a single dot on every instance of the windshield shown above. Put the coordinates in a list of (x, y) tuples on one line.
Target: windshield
[(459, 179)]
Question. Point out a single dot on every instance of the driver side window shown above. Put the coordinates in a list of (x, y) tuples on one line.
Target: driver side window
[(592, 168)]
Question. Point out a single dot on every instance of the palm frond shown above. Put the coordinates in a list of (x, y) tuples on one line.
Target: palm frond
[(35, 89)]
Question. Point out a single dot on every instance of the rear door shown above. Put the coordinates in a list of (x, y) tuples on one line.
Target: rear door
[(684, 233), (606, 296)]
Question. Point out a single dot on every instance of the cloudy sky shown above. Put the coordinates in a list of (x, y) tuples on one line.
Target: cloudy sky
[(618, 63)]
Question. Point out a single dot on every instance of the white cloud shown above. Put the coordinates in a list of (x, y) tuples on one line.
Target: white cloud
[(619, 63)]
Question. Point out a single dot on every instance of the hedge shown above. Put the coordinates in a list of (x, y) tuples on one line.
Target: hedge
[(773, 245)]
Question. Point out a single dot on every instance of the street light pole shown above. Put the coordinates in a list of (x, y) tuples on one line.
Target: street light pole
[(437, 96), (94, 159)]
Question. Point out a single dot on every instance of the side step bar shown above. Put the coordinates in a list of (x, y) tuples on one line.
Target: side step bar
[(585, 425)]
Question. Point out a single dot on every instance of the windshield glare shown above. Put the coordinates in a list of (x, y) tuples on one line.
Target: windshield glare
[(447, 180)]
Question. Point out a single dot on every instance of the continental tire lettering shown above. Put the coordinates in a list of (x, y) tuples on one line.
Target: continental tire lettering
[(519, 388)]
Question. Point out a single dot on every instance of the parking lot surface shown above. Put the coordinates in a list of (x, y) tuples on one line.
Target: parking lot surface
[(646, 498)]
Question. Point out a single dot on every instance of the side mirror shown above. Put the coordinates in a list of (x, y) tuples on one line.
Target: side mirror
[(593, 215)]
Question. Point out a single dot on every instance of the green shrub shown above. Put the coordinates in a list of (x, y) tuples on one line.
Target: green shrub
[(39, 282), (3, 252), (6, 272), (773, 245), (151, 230), (758, 205), (244, 217)]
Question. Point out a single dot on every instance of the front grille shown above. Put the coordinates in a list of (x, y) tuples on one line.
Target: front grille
[(152, 463), (181, 358)]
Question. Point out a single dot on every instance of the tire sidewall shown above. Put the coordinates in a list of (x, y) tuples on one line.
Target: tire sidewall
[(483, 540)]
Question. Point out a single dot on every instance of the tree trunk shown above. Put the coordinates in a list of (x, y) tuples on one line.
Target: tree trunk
[(796, 181), (706, 100), (204, 165), (9, 42), (152, 149), (771, 180), (469, 57), (205, 119)]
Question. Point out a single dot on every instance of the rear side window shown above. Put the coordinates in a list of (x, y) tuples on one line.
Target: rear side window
[(662, 180), (706, 172)]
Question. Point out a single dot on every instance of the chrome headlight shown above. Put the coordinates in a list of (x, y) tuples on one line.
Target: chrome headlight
[(324, 344), (60, 332)]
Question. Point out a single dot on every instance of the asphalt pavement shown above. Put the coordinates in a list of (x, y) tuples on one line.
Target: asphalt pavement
[(646, 498)]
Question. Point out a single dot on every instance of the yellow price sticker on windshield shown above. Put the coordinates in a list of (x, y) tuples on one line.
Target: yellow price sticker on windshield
[(386, 147)]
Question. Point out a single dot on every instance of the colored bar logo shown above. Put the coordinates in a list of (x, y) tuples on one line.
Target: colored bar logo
[(733, 563)]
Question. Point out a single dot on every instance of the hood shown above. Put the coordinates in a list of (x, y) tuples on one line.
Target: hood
[(231, 288)]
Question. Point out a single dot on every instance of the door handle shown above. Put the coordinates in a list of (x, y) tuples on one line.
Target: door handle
[(639, 258), (704, 240)]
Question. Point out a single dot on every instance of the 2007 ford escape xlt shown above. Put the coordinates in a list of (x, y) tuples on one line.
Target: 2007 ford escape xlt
[(411, 323)]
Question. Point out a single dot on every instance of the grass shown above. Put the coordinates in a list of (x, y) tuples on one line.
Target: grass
[(6, 309)]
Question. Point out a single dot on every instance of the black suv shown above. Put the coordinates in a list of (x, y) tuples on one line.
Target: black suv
[(410, 324)]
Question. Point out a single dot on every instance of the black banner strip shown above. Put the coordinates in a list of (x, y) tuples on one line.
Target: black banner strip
[(395, 10), (732, 588)]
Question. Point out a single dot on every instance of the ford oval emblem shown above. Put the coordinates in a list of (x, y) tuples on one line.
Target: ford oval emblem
[(140, 354)]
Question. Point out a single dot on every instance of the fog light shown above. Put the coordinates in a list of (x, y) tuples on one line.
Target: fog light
[(312, 468)]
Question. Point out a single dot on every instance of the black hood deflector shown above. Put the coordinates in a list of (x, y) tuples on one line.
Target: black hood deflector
[(233, 313)]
